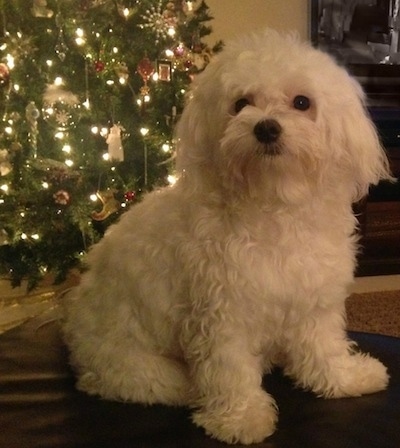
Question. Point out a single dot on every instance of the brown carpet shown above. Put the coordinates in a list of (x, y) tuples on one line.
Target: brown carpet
[(374, 312)]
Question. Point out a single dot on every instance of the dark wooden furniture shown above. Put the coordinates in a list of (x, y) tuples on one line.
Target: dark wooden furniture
[(379, 214)]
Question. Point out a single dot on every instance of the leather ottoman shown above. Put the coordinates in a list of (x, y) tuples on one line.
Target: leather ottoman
[(39, 406)]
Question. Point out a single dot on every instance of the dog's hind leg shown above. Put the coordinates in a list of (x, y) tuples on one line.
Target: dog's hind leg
[(137, 377)]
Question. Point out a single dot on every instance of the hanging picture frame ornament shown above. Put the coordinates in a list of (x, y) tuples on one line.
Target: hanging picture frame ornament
[(145, 68)]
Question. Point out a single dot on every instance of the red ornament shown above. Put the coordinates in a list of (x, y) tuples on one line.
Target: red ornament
[(4, 74), (99, 66), (145, 69), (180, 51), (130, 196)]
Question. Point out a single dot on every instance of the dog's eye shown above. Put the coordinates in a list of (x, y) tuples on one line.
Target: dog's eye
[(301, 102), (241, 104)]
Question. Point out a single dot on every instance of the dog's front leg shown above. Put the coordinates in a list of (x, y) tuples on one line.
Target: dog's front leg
[(231, 405), (322, 359)]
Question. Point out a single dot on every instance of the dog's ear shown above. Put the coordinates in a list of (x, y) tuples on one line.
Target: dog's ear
[(366, 157)]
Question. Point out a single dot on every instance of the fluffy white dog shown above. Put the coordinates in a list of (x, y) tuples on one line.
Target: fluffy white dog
[(244, 264)]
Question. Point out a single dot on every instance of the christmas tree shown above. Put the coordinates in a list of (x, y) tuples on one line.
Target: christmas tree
[(90, 91)]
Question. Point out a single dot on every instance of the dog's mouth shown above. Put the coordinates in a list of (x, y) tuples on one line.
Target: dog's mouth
[(269, 150)]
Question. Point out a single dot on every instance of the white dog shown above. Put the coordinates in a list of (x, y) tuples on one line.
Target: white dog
[(244, 264)]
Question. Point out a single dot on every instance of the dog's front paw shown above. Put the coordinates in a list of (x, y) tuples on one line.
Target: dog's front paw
[(357, 375), (250, 421)]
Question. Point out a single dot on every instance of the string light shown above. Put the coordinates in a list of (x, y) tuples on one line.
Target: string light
[(172, 179), (80, 37), (10, 61), (59, 135), (58, 81)]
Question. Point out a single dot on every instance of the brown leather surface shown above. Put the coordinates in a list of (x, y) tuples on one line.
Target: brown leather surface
[(39, 406)]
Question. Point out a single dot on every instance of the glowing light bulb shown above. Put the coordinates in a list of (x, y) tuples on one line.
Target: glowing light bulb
[(24, 236), (93, 197), (144, 131), (45, 185), (95, 130), (106, 156), (165, 147), (67, 149), (58, 81), (49, 63), (4, 187), (172, 179), (69, 162), (35, 236), (59, 135), (10, 61)]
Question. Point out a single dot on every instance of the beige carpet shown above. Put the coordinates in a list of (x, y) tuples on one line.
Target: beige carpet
[(374, 312)]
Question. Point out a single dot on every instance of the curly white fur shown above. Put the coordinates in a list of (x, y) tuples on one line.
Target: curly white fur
[(244, 264)]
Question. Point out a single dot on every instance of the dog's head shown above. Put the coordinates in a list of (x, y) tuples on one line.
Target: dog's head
[(274, 117)]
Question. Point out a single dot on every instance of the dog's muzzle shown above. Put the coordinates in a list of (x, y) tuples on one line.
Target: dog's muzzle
[(268, 132)]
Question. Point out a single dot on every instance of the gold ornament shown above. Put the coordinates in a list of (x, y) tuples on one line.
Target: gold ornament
[(110, 205)]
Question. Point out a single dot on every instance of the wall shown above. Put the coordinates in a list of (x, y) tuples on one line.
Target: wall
[(232, 17)]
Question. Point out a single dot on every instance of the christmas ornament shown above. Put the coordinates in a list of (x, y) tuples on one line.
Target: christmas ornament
[(130, 196), (19, 44), (61, 197), (60, 107), (5, 165), (160, 22), (115, 149), (40, 9), (4, 74), (99, 66), (182, 58), (122, 71), (145, 69), (164, 70), (110, 205), (61, 47), (32, 114)]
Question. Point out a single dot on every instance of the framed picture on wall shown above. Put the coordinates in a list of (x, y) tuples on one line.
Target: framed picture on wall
[(363, 35)]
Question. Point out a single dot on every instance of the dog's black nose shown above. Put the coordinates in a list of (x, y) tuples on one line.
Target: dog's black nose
[(267, 131)]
